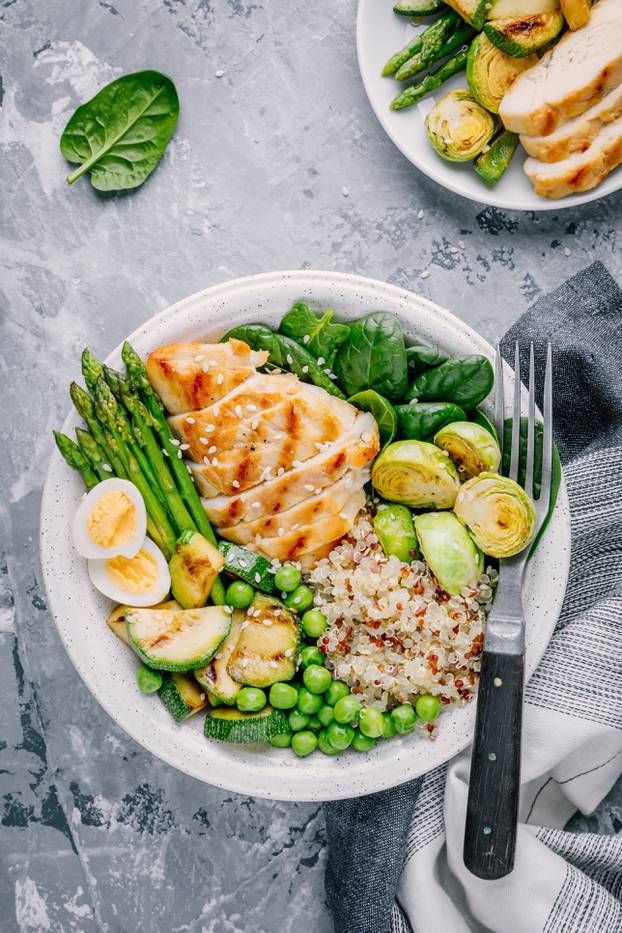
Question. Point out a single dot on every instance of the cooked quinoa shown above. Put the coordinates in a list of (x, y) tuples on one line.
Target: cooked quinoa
[(393, 632)]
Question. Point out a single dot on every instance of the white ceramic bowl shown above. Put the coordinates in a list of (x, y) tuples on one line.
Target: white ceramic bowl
[(108, 668), (380, 33)]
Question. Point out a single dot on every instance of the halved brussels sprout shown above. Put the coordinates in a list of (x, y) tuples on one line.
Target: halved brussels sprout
[(490, 72), (499, 513), (449, 551), (471, 447), (394, 529), (458, 127), (417, 474)]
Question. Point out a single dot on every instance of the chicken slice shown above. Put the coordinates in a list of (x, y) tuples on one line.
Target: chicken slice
[(575, 135), (295, 544), (189, 376), (330, 501), (351, 451)]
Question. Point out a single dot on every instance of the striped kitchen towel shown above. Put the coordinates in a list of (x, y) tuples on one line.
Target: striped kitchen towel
[(395, 858)]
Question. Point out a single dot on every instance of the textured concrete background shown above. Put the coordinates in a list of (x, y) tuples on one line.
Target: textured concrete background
[(277, 163)]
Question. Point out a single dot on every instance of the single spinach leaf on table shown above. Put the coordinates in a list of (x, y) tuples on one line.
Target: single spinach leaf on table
[(419, 421), (373, 357), (465, 381), (318, 333), (381, 409), (120, 135)]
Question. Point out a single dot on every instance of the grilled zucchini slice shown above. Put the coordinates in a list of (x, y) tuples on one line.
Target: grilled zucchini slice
[(215, 677), (526, 34), (267, 649), (248, 566), (117, 622), (177, 639), (230, 725), (182, 696), (194, 567)]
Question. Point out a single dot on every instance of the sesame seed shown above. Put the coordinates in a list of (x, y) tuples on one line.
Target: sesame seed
[(424, 274), (203, 440), (345, 191), (179, 454), (344, 516), (566, 251), (199, 358), (257, 578), (306, 338), (256, 505), (297, 463), (205, 367), (215, 462), (308, 487), (305, 369), (219, 73), (251, 407), (288, 652), (189, 470), (216, 410), (320, 360), (327, 371), (212, 449), (235, 484), (189, 420), (453, 249), (213, 362), (280, 471), (281, 532), (238, 410), (220, 379), (206, 461), (184, 447), (317, 490), (296, 526), (107, 467), (165, 452), (289, 359), (254, 424), (461, 244), (210, 427), (273, 663), (175, 442)]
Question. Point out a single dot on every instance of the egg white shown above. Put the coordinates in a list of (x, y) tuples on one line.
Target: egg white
[(81, 539), (158, 592)]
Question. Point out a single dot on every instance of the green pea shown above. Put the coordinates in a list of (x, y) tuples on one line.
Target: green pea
[(287, 578), (389, 726), (297, 720), (347, 709), (314, 623), (371, 722), (311, 655), (404, 718), (316, 679), (148, 680), (239, 594), (314, 724), (428, 707), (336, 690), (340, 736), (300, 599), (250, 699), (281, 741), (303, 743), (283, 696), (324, 744), (308, 703), (362, 743), (325, 715)]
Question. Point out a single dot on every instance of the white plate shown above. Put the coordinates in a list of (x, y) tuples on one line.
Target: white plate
[(380, 33), (108, 668)]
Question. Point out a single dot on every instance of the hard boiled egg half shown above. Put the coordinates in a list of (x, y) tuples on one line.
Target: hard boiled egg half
[(142, 580)]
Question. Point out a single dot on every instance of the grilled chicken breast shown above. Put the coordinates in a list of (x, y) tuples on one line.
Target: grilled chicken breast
[(280, 463), (577, 134), (189, 376), (570, 78)]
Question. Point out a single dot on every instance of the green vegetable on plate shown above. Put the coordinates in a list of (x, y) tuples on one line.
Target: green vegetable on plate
[(449, 551), (524, 35), (492, 164), (471, 447), (177, 639), (311, 654), (265, 653), (419, 7), (308, 703), (393, 525), (481, 418), (499, 513), (465, 381), (228, 724), (374, 357), (431, 41), (421, 357), (340, 736), (120, 135), (491, 72), (73, 457), (316, 679), (283, 696), (434, 52), (287, 578), (194, 568), (239, 594), (303, 743), (362, 742), (381, 409), (434, 79), (314, 623), (458, 127), (427, 707), (318, 333), (417, 474), (419, 421), (148, 680), (404, 719), (250, 699), (300, 599), (181, 696), (248, 566), (347, 709), (371, 722), (214, 677)]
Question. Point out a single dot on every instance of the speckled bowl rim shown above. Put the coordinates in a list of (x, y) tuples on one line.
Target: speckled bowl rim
[(107, 667)]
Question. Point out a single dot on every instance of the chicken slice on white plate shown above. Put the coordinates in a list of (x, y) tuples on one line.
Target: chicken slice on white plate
[(581, 171), (569, 78), (575, 135), (189, 376), (329, 501), (293, 545), (352, 451)]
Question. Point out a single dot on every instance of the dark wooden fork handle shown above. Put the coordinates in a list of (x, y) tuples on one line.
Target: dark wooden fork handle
[(492, 809)]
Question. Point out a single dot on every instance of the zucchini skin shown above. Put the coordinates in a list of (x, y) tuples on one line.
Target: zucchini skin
[(246, 565), (230, 725), (418, 7), (174, 701), (508, 36), (161, 664), (492, 165)]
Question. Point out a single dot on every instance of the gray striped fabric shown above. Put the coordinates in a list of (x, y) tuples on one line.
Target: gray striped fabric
[(580, 675)]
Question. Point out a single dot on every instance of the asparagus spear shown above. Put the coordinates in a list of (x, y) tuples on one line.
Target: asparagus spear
[(72, 455), (137, 373), (86, 410), (93, 453), (410, 95), (434, 49), (494, 161), (108, 411), (449, 21)]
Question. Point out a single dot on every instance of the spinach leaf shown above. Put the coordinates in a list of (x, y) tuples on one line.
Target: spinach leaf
[(373, 357), (421, 357), (318, 333), (479, 417), (465, 381), (381, 409), (119, 135), (419, 421)]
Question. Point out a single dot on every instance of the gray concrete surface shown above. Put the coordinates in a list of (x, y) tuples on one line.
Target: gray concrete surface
[(277, 163)]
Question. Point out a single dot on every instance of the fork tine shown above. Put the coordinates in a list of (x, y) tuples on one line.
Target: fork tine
[(516, 410), (499, 397), (547, 440), (531, 426)]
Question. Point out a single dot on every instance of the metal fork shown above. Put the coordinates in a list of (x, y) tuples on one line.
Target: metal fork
[(492, 809)]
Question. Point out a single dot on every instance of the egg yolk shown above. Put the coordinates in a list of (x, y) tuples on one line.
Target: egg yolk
[(112, 521), (133, 574)]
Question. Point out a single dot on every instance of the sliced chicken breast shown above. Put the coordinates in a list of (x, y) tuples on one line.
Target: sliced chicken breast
[(570, 78), (577, 134), (295, 544), (189, 376), (581, 171), (329, 501), (351, 451)]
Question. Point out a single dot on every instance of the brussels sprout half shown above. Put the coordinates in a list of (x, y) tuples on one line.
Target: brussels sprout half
[(449, 551), (498, 512), (491, 72), (417, 474), (458, 127), (471, 447)]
